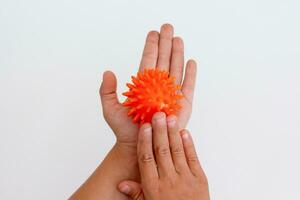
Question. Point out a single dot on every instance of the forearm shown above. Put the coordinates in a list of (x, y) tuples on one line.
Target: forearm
[(119, 164)]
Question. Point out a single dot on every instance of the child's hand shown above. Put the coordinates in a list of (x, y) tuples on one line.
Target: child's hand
[(163, 51), (168, 164)]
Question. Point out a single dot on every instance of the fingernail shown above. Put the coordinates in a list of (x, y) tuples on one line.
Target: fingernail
[(148, 130), (171, 121), (160, 117), (125, 189), (185, 136)]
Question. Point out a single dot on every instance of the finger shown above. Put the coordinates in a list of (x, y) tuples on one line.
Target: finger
[(176, 145), (165, 47), (161, 145), (131, 189), (108, 90), (177, 60), (190, 153), (150, 53), (146, 159), (188, 85)]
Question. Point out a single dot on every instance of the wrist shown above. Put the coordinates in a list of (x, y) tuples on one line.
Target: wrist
[(126, 156), (127, 152)]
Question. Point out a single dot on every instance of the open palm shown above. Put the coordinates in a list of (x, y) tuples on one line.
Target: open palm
[(165, 52)]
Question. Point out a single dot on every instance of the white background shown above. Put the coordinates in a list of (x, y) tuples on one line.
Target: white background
[(245, 122)]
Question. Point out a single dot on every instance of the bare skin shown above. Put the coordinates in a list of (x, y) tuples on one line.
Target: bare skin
[(164, 51), (168, 164)]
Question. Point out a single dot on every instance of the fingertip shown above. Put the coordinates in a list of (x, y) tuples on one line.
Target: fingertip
[(124, 188), (178, 42), (109, 83), (167, 31), (108, 73), (189, 82), (167, 27), (104, 75), (158, 116), (185, 135), (191, 68), (171, 120), (153, 35), (192, 63), (108, 77), (178, 39)]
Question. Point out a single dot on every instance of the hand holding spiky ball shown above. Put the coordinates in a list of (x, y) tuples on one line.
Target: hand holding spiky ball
[(152, 91)]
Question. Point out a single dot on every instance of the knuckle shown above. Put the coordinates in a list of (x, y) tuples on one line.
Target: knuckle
[(192, 158), (177, 150), (169, 182), (149, 54), (172, 183), (202, 178), (147, 158), (203, 181), (107, 95), (152, 185), (164, 56), (162, 150)]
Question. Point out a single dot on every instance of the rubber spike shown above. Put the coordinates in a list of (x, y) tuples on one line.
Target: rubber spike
[(151, 91)]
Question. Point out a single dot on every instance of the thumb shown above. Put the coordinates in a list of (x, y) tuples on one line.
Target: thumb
[(131, 189), (108, 89)]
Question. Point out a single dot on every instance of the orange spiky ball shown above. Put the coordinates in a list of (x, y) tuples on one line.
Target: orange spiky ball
[(152, 91)]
